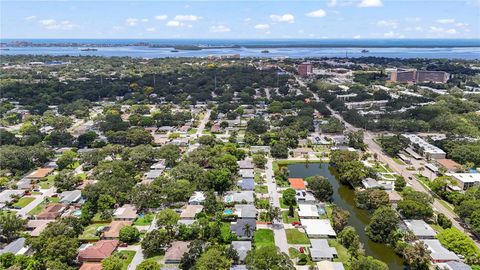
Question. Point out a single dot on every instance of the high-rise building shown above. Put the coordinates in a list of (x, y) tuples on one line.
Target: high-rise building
[(304, 69)]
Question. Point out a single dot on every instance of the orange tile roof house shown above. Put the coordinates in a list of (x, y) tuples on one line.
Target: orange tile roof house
[(52, 211), (127, 212), (113, 231), (99, 251), (40, 173), (91, 266), (448, 164), (297, 183), (175, 253)]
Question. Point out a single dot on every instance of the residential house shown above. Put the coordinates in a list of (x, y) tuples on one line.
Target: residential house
[(127, 212), (420, 228), (308, 211), (98, 251), (244, 228), (245, 164), (175, 252), (245, 211), (91, 266), (438, 252), (70, 197), (16, 247), (448, 164), (328, 265), (190, 211), (259, 149), (6, 196), (305, 197), (197, 198), (242, 248), (36, 226), (247, 184), (466, 180), (297, 183), (113, 230), (240, 197), (301, 152), (52, 211), (39, 173), (318, 228), (320, 250), (452, 265)]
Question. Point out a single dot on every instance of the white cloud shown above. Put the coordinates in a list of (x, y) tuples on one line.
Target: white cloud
[(445, 21), (262, 26), (387, 23), (289, 18), (357, 37), (268, 33), (52, 24), (332, 3), (145, 20), (151, 29), (219, 28), (174, 24), (131, 21), (30, 18), (161, 17), (247, 19), (190, 18), (317, 13), (370, 3), (389, 34)]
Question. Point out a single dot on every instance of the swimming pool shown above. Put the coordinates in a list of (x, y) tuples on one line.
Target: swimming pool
[(77, 213), (228, 212)]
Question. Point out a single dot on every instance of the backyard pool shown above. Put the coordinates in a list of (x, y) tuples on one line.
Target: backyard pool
[(228, 212)]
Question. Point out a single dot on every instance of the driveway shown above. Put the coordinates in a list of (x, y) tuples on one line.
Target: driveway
[(38, 199)]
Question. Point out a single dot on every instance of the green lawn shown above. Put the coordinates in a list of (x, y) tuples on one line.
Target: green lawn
[(293, 252), (82, 176), (342, 252), (261, 189), (295, 237), (263, 238), (156, 259), (47, 182), (287, 219), (98, 219), (89, 233), (146, 220), (398, 161), (42, 205), (192, 131), (24, 201), (129, 254)]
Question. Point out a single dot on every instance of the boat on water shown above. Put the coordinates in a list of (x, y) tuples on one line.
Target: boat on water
[(365, 51), (4, 49), (89, 50), (174, 51), (265, 51)]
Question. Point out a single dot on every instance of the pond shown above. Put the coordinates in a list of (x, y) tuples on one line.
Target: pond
[(344, 197)]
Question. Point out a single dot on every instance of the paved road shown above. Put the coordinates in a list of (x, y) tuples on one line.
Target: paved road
[(278, 229), (38, 199), (203, 122)]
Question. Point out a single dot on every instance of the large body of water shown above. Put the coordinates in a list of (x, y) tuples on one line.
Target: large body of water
[(411, 48), (344, 197)]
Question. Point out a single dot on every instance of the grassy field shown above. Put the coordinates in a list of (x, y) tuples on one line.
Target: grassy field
[(89, 233), (287, 219), (129, 254), (261, 189), (192, 131), (146, 220), (24, 201), (47, 182), (263, 238), (295, 237)]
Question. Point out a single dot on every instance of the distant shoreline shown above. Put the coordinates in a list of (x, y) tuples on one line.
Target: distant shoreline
[(199, 44)]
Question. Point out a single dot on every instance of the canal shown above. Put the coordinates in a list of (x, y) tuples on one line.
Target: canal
[(344, 197)]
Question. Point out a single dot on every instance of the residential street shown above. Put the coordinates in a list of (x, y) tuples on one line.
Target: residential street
[(278, 228)]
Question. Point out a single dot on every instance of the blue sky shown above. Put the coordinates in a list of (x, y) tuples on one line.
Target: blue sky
[(241, 19)]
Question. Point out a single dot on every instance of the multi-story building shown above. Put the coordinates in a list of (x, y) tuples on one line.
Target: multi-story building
[(305, 69), (417, 76)]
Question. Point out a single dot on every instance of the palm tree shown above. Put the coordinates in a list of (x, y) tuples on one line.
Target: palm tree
[(247, 230)]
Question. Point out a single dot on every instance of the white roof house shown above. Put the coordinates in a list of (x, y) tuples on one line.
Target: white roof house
[(420, 228), (197, 198), (318, 228), (438, 252), (466, 180), (308, 211), (320, 250)]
